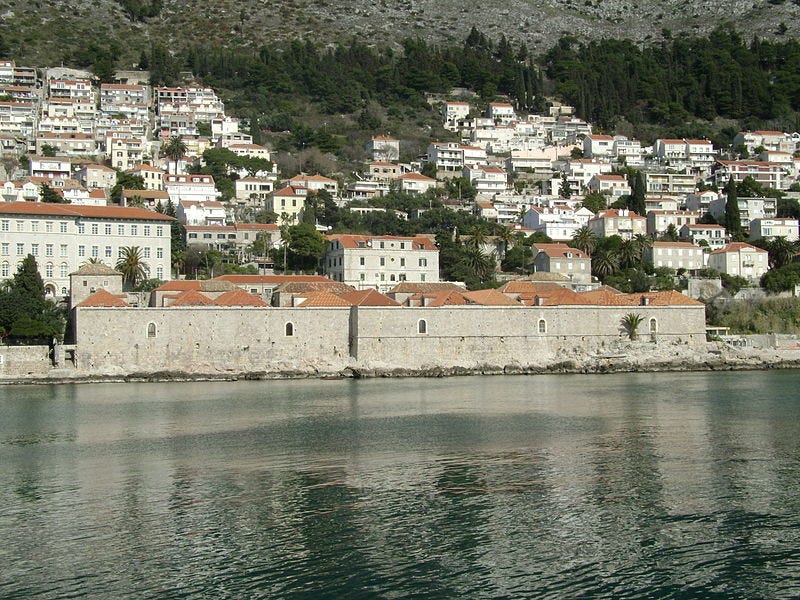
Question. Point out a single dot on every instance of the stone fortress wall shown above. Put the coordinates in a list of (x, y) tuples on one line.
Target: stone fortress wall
[(217, 341)]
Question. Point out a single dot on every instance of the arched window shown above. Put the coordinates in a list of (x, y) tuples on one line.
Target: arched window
[(542, 326), (151, 330), (653, 325), (289, 329), (63, 291), (391, 277), (422, 326)]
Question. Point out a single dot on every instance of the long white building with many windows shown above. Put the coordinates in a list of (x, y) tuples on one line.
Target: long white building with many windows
[(62, 237)]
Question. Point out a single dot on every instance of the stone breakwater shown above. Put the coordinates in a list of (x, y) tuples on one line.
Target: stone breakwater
[(623, 357)]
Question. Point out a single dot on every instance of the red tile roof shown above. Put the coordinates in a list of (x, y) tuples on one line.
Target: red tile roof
[(192, 298), (368, 297), (103, 298), (77, 210), (239, 297), (320, 299)]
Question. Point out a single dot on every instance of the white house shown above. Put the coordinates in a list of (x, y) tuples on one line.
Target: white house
[(675, 255), (611, 185), (714, 236), (195, 212), (622, 222), (194, 187), (738, 258), (415, 183), (380, 262), (772, 228)]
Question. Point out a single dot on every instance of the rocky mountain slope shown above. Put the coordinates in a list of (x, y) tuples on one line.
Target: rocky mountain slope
[(49, 30)]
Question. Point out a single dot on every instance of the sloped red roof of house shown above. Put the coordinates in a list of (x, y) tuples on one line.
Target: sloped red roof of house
[(554, 297), (737, 247), (80, 210), (560, 251), (276, 279), (103, 298), (490, 297), (368, 297), (239, 297), (321, 299), (192, 298)]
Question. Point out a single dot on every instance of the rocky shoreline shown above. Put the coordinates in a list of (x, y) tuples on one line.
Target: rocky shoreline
[(626, 357)]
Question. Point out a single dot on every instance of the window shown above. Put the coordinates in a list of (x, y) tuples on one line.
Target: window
[(6, 247), (62, 227), (48, 270), (422, 277), (192, 236), (48, 227), (402, 262), (159, 253), (20, 226), (95, 229), (422, 326), (542, 326), (4, 270), (108, 252), (147, 252), (423, 262), (383, 261), (151, 330), (35, 249), (63, 270), (133, 230), (361, 261), (159, 231), (81, 250), (289, 329), (34, 225), (81, 228), (206, 236), (147, 230), (4, 225), (107, 229), (95, 251), (160, 273), (120, 229), (653, 326), (361, 277), (62, 251), (381, 244)]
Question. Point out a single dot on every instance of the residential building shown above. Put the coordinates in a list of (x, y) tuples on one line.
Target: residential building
[(777, 141), (613, 186), (598, 146), (153, 177), (622, 222), (237, 238), (658, 221), (19, 191), (702, 234), (502, 113), (454, 113), (289, 202), (94, 176), (383, 171), (126, 152), (560, 258), (380, 261), (749, 209), (61, 237), (253, 191), (700, 201), (315, 183), (767, 174), (486, 180), (628, 152), (772, 228), (559, 223), (383, 148), (670, 183), (149, 199), (415, 183), (47, 167), (18, 119), (738, 258), (450, 156), (69, 144), (198, 212), (675, 255), (195, 187)]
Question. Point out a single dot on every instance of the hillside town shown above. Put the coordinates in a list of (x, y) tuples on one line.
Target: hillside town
[(99, 179)]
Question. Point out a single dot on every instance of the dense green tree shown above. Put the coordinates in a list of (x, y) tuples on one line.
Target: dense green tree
[(174, 149), (25, 312), (305, 247), (595, 201), (733, 219), (636, 201), (585, 240), (49, 195), (126, 181)]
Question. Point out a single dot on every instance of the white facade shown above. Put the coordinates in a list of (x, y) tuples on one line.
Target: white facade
[(62, 237), (380, 262), (675, 255), (772, 228), (740, 259)]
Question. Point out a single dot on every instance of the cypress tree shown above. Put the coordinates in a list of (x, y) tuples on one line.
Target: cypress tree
[(733, 220)]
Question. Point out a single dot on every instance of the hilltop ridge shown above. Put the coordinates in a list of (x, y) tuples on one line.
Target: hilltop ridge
[(48, 32)]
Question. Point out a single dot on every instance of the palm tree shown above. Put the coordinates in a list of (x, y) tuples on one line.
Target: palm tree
[(134, 270), (175, 150), (630, 323), (630, 254), (584, 240), (506, 235), (605, 262), (477, 261), (479, 235), (781, 252)]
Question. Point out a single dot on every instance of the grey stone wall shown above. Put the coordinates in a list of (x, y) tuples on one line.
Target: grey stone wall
[(215, 340)]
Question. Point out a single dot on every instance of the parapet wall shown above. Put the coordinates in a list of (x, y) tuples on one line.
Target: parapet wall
[(218, 340)]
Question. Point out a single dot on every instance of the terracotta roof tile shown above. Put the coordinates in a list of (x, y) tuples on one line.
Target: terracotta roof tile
[(320, 299), (490, 297), (103, 298), (369, 297), (192, 298), (77, 210), (239, 297)]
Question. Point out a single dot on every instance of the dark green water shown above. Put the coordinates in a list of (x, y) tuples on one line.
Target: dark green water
[(624, 486)]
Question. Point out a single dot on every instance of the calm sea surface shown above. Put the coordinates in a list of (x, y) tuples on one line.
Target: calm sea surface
[(617, 486)]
